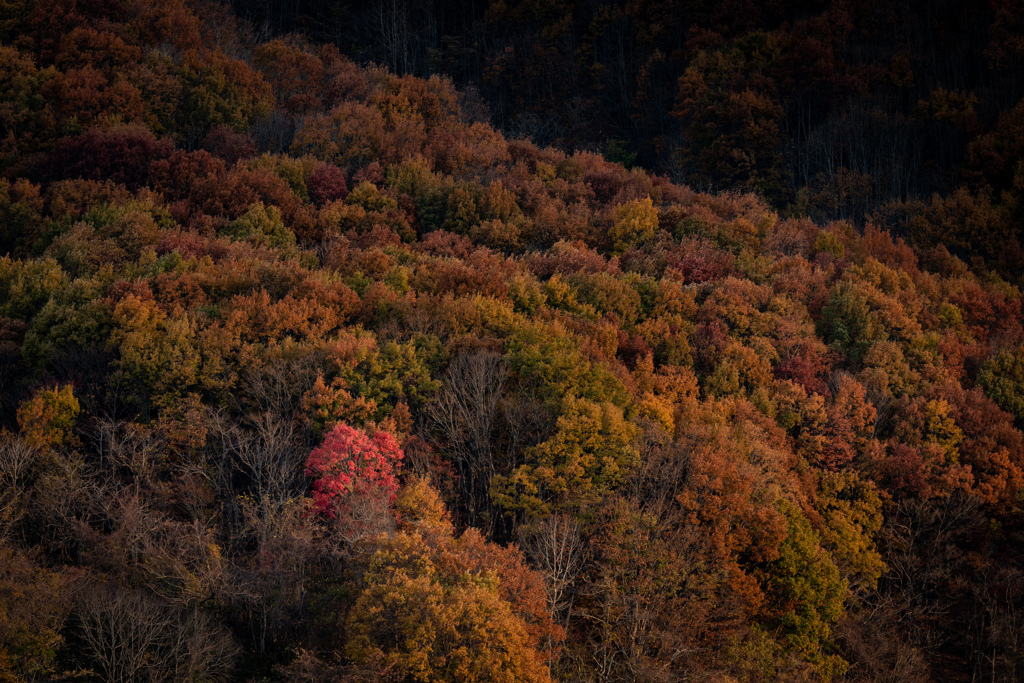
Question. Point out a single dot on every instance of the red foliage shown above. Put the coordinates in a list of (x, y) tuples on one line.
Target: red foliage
[(804, 371), (222, 141), (122, 155), (174, 175), (992, 446), (604, 178), (904, 470), (481, 272), (371, 173), (445, 244), (123, 288), (85, 95), (989, 315), (350, 462), (569, 258), (181, 290), (295, 75), (697, 261), (631, 348), (327, 184), (232, 195)]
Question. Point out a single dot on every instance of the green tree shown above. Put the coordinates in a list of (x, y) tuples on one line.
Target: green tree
[(849, 324), (1002, 378), (591, 453), (732, 118), (807, 594)]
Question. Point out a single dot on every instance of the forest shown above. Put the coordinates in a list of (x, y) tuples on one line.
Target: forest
[(335, 350), (832, 109)]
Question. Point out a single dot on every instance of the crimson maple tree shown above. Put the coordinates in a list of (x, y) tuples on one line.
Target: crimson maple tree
[(351, 462)]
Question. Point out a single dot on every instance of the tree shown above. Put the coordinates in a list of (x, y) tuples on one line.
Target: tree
[(47, 419), (350, 464), (733, 136), (464, 413), (633, 223), (590, 454), (1002, 378), (350, 135), (121, 155), (556, 547), (433, 607), (130, 636), (327, 184), (849, 323), (807, 595), (34, 604)]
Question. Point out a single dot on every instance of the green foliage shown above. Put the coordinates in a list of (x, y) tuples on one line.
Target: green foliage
[(590, 454), (398, 372), (26, 286), (262, 226), (742, 370), (829, 242), (549, 364), (218, 90), (1002, 378), (19, 213), (807, 586), (369, 197), (526, 295), (849, 324), (75, 317), (608, 294)]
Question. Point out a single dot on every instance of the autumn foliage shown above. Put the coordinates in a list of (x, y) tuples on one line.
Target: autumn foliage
[(350, 463), (309, 373)]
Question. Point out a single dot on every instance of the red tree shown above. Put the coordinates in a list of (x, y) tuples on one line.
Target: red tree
[(350, 462), (326, 184)]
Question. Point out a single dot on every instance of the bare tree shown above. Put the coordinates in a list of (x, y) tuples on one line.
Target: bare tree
[(389, 24), (278, 386), (270, 453), (270, 574), (921, 546), (873, 642), (997, 623), (63, 496), (463, 415), (555, 547), (129, 636), (130, 448), (16, 461)]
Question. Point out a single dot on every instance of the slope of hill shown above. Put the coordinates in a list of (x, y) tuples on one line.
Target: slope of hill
[(860, 110), (307, 374)]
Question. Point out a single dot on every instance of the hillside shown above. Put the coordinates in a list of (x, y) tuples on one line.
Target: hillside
[(883, 111), (307, 373)]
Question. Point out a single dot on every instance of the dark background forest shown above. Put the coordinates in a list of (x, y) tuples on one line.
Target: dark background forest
[(837, 110), (409, 342)]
